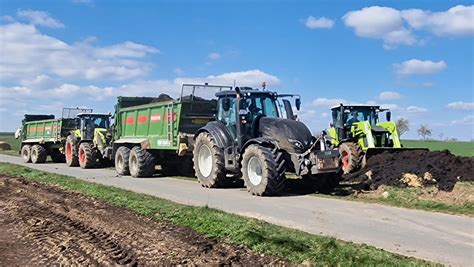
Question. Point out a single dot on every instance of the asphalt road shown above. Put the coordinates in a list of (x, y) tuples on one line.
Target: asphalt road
[(447, 239)]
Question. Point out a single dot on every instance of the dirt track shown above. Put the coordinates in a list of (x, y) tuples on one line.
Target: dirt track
[(44, 225)]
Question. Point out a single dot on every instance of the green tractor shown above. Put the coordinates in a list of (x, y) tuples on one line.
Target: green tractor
[(358, 133), (85, 146)]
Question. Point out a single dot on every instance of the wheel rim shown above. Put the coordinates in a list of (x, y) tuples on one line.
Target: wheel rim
[(205, 160), (33, 155), (119, 162), (68, 152), (345, 160), (25, 154), (133, 164), (254, 171), (82, 156)]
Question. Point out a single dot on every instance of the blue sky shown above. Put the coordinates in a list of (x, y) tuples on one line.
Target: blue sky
[(415, 57)]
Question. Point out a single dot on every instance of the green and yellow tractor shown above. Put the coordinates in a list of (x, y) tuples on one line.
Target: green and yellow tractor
[(85, 145), (358, 133)]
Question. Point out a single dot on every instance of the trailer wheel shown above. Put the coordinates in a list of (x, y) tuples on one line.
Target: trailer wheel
[(141, 162), (71, 155), (351, 157), (121, 160), (87, 158), (208, 161), (57, 156), (263, 170), (26, 153), (38, 154)]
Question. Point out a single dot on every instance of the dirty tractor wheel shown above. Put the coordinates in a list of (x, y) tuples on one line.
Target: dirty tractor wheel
[(121, 160), (71, 155), (26, 153), (141, 162), (38, 154), (208, 161), (263, 170), (57, 156), (87, 158), (351, 157)]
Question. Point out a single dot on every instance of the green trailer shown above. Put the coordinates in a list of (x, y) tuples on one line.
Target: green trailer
[(42, 136), (150, 131)]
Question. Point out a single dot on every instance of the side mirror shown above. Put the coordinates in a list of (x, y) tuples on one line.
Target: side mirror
[(298, 103), (389, 115)]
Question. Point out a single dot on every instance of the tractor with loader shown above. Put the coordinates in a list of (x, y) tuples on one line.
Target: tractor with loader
[(250, 138), (358, 133)]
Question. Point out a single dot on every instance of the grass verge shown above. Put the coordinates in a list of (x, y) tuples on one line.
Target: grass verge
[(459, 148), (261, 237), (459, 202)]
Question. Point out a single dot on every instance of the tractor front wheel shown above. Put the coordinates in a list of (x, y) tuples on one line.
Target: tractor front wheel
[(26, 153), (263, 170), (87, 157), (141, 162), (208, 161), (351, 157), (71, 155), (38, 154)]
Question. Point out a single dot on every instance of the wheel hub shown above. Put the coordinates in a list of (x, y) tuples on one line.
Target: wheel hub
[(254, 171), (205, 160)]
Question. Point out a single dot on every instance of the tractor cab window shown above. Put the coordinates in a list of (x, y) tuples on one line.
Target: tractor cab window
[(358, 115), (227, 114), (256, 105)]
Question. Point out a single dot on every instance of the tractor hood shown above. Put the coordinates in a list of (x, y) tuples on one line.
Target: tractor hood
[(292, 136)]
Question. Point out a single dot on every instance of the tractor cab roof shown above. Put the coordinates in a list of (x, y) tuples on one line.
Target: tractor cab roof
[(356, 106), (94, 114), (245, 91)]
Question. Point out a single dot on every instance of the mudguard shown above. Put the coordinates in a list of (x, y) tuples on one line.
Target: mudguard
[(219, 132), (259, 141)]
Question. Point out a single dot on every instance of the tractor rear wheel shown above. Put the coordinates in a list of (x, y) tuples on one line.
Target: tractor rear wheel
[(26, 153), (263, 170), (141, 162), (351, 157), (71, 155), (57, 156), (121, 160), (38, 154), (208, 161), (87, 158)]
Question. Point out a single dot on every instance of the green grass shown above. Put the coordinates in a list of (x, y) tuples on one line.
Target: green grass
[(458, 202), (14, 143), (456, 147), (261, 237)]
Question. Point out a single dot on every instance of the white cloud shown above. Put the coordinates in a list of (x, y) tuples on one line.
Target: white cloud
[(253, 78), (416, 66), (26, 53), (389, 95), (214, 56), (328, 102), (415, 109), (390, 106), (468, 120), (178, 71), (461, 105), (40, 18), (396, 27), (319, 23), (456, 21)]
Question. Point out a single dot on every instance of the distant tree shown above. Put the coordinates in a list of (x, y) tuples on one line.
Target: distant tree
[(424, 131), (441, 136), (403, 125)]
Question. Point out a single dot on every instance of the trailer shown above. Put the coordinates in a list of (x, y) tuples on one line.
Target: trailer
[(150, 131)]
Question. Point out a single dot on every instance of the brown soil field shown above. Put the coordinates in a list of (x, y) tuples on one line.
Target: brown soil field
[(45, 225)]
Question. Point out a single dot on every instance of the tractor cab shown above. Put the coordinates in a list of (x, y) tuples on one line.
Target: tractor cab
[(89, 123)]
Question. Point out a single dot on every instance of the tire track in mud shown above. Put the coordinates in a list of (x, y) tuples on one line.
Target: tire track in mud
[(46, 225)]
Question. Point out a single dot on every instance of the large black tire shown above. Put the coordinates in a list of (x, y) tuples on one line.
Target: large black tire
[(57, 156), (141, 162), (263, 170), (351, 157), (122, 157), (71, 154), (26, 153), (208, 161), (87, 157), (38, 154)]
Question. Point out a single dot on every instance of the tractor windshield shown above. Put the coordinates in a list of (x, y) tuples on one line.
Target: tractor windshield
[(96, 121), (263, 105), (358, 115)]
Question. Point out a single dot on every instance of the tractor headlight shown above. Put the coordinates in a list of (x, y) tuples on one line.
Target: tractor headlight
[(296, 143)]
